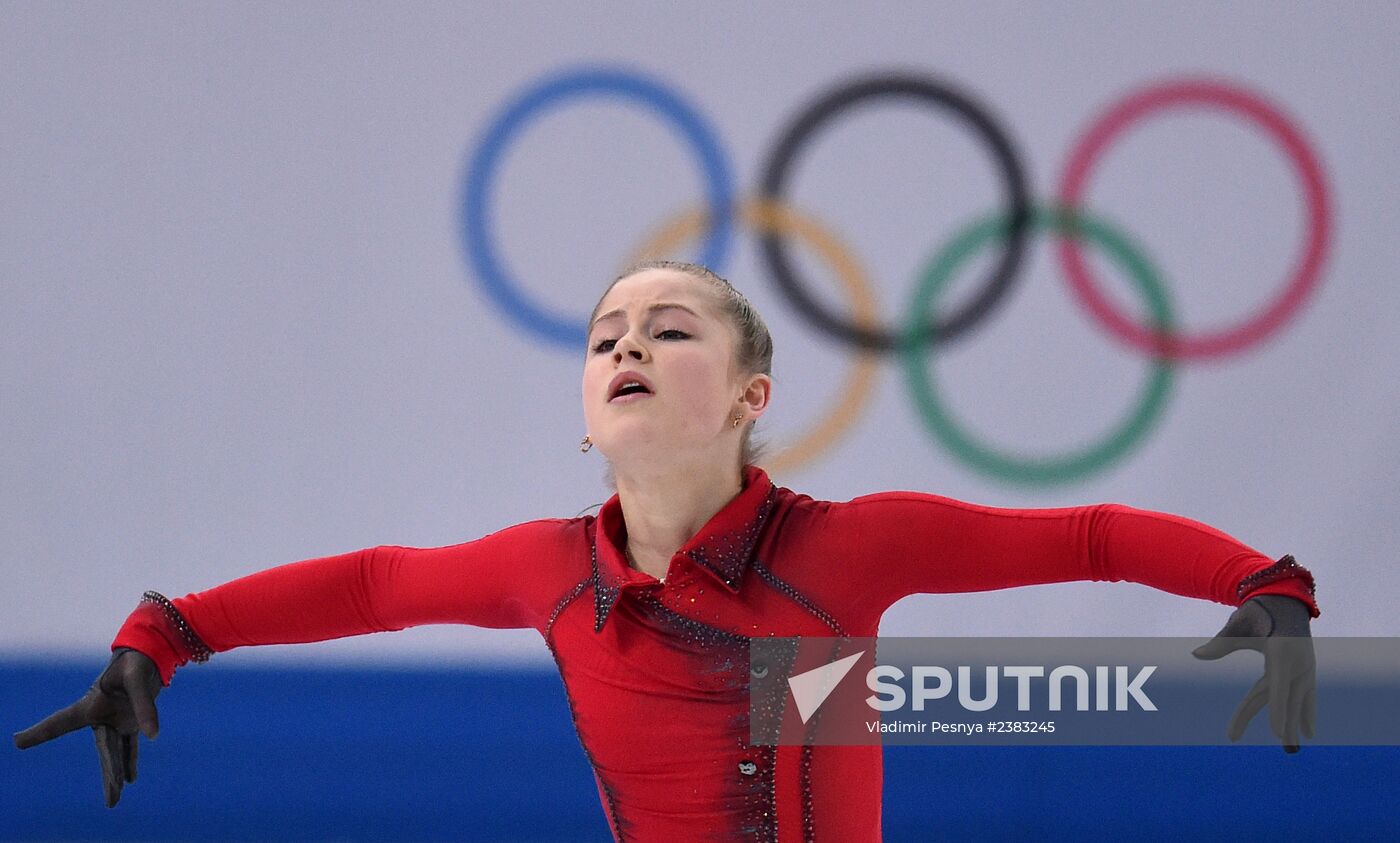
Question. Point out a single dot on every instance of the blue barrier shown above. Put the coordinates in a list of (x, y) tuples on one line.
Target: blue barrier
[(325, 754)]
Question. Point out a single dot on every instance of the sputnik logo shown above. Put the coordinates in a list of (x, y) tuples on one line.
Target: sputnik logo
[(811, 688)]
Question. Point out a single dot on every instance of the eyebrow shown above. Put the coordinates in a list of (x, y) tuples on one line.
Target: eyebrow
[(650, 309)]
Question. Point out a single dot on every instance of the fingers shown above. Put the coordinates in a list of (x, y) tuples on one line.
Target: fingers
[(1296, 695), (109, 755), (1216, 647), (129, 746), (1249, 706), (1234, 635), (1280, 683), (143, 706), (1292, 682), (59, 723), (1226, 642)]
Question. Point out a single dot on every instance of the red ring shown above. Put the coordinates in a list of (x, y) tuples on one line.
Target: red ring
[(1304, 277)]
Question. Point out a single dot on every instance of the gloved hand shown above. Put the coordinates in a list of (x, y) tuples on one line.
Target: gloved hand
[(120, 702), (1278, 627)]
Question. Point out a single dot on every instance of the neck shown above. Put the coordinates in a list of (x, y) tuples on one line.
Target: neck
[(664, 508)]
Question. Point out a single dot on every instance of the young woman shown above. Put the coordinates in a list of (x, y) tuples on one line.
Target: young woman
[(648, 607)]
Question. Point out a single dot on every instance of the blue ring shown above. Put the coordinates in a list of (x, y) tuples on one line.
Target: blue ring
[(476, 230)]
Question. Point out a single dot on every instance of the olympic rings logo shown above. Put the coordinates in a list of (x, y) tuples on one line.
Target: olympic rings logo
[(776, 222)]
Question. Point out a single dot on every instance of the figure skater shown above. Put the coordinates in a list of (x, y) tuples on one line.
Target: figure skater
[(647, 606)]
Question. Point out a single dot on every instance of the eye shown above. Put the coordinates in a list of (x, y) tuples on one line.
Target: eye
[(668, 334)]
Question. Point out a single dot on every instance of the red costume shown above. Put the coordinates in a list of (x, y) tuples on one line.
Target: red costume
[(649, 666)]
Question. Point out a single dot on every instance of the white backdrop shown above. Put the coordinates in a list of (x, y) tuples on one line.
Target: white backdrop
[(240, 326)]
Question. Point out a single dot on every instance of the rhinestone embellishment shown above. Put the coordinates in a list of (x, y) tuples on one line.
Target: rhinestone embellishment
[(199, 651), (1285, 568)]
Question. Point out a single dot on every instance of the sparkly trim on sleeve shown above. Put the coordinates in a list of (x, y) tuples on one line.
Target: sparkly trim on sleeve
[(199, 651), (1285, 568)]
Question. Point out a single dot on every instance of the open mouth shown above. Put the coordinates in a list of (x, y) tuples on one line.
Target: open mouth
[(628, 389), (628, 386)]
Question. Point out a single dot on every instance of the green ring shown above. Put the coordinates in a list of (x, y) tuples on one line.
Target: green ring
[(1033, 470)]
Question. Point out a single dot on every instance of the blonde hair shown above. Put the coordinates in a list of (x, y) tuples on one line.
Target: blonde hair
[(753, 354)]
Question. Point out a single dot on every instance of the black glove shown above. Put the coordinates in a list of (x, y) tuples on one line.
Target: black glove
[(1278, 627), (119, 703)]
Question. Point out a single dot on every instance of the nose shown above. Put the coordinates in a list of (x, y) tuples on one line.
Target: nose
[(626, 347)]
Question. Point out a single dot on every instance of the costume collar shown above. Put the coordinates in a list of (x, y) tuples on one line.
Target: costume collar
[(722, 547)]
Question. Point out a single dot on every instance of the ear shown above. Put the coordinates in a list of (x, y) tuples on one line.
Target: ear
[(758, 391)]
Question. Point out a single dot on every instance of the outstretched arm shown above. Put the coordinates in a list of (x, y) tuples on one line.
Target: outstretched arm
[(501, 580), (911, 542), (495, 581)]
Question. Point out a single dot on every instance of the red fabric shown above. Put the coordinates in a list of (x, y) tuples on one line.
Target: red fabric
[(148, 631), (648, 665)]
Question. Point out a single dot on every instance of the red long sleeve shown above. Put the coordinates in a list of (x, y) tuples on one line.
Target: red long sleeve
[(906, 543), (502, 580)]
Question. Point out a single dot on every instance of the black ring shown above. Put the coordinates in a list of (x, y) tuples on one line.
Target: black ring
[(935, 93)]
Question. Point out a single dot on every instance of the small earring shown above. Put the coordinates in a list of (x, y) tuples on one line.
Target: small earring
[(738, 417), (584, 445)]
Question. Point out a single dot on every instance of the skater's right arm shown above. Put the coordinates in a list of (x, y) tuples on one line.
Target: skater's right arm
[(501, 581), (505, 579)]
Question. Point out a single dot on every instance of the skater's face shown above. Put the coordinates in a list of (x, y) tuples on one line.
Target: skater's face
[(664, 329)]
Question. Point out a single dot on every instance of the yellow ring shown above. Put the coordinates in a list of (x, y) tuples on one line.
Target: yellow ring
[(773, 217)]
